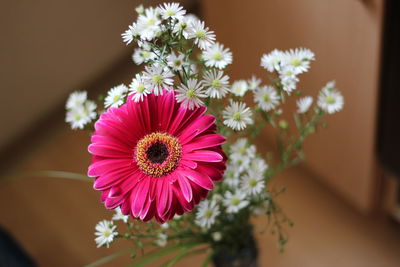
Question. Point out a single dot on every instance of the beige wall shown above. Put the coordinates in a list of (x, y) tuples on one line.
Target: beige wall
[(345, 34)]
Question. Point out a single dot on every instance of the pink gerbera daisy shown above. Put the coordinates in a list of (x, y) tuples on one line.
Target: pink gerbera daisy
[(155, 158)]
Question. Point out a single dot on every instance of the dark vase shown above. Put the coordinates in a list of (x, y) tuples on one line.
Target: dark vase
[(245, 256)]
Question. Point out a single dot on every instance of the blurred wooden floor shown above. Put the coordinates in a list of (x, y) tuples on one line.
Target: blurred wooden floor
[(54, 219)]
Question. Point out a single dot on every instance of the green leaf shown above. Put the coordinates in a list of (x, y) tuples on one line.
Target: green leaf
[(157, 254), (108, 258), (54, 174), (184, 253)]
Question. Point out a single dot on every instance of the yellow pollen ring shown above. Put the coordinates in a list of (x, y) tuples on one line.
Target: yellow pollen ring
[(171, 161)]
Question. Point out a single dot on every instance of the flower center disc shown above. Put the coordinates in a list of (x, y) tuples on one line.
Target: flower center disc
[(158, 154)]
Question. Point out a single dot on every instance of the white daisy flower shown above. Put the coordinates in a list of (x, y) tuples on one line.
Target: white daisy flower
[(176, 61), (148, 24), (76, 118), (258, 165), (130, 34), (138, 89), (76, 99), (243, 159), (161, 240), (266, 97), (235, 202), (157, 78), (185, 26), (216, 236), (172, 10), (206, 214), (288, 85), (239, 88), (115, 96), (189, 95), (140, 56), (272, 61), (119, 216), (216, 83), (217, 56), (203, 38), (253, 83), (231, 176), (299, 59), (105, 233), (304, 104), (252, 183), (330, 100), (79, 116), (237, 115), (239, 147)]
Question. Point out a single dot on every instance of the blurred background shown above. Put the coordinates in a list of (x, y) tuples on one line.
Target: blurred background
[(344, 200)]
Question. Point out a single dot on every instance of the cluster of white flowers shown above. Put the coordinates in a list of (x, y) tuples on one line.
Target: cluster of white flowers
[(170, 68), (245, 181), (80, 110), (288, 64)]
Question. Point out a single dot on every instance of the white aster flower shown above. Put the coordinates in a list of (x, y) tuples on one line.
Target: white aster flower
[(172, 10), (258, 165), (266, 97), (130, 34), (161, 240), (184, 25), (176, 61), (119, 216), (105, 233), (304, 104), (272, 61), (79, 116), (253, 83), (231, 176), (289, 85), (216, 83), (157, 78), (235, 202), (217, 56), (237, 115), (203, 38), (239, 88), (206, 214), (138, 89), (76, 99), (330, 100), (189, 95), (76, 118), (115, 96), (216, 236), (252, 183), (299, 59), (140, 56), (148, 24)]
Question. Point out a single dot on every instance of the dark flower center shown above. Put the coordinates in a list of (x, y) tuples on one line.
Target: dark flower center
[(157, 152)]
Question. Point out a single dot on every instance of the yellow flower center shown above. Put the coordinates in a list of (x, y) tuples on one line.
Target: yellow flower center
[(158, 154), (237, 116)]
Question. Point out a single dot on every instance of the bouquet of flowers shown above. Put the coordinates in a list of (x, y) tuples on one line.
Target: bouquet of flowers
[(173, 152)]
